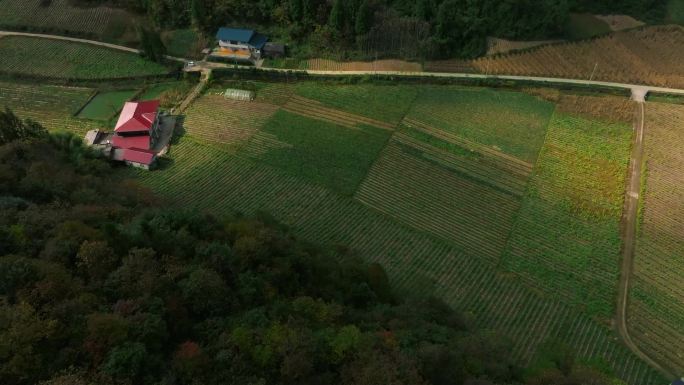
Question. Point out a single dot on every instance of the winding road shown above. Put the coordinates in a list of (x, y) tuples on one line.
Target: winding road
[(633, 186)]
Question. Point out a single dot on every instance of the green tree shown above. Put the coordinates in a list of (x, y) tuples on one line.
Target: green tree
[(364, 19), (96, 259), (12, 128), (336, 20), (126, 360), (151, 45)]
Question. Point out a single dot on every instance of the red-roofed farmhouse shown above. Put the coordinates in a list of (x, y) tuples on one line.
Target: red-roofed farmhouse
[(136, 131)]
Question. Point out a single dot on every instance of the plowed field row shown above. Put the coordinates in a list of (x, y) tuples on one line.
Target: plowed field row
[(566, 238), (378, 65), (475, 217), (502, 160), (415, 262), (216, 119), (657, 295), (473, 167), (59, 15), (51, 106), (651, 55), (315, 110)]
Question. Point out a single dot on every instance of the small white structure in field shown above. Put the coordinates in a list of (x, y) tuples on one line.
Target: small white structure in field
[(243, 95)]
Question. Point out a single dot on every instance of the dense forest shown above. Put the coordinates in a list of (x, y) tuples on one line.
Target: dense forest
[(405, 28), (101, 283)]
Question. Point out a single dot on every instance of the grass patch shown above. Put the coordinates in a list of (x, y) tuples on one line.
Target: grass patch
[(64, 59), (156, 90), (385, 103), (105, 105), (512, 122), (585, 25), (324, 153)]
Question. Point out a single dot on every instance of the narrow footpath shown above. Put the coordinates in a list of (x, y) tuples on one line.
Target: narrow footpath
[(630, 218)]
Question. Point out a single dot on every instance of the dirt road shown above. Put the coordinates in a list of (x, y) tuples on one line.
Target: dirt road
[(630, 218)]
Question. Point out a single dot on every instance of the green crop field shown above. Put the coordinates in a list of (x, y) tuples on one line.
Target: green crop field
[(64, 59), (106, 105), (334, 156), (511, 122), (54, 107), (657, 295), (415, 261), (384, 103), (225, 123), (437, 199), (61, 17), (566, 238)]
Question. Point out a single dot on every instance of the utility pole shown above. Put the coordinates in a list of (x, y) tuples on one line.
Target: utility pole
[(593, 72)]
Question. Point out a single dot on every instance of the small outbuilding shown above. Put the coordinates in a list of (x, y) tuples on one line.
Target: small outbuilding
[(274, 50), (236, 94)]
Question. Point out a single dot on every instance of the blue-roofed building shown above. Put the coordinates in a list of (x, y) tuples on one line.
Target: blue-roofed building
[(678, 382), (239, 44)]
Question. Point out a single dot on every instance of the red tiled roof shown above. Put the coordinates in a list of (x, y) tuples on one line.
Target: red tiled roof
[(139, 155), (138, 141), (137, 116)]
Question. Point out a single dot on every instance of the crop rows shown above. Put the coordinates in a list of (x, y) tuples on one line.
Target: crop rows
[(415, 262), (59, 15), (216, 119), (657, 297), (651, 55), (490, 156), (314, 109), (65, 59), (513, 123), (378, 65), (566, 238), (51, 106), (379, 102), (475, 166), (431, 198)]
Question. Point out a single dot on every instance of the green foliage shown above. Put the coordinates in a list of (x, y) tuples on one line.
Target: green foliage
[(567, 236), (325, 153), (584, 25), (512, 122), (675, 11), (126, 360), (71, 60), (151, 45), (13, 128)]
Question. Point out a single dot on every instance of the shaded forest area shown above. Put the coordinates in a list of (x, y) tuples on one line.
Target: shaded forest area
[(411, 29), (100, 283)]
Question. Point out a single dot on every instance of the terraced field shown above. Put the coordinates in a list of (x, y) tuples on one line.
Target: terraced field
[(225, 122), (656, 306), (51, 106), (507, 122), (416, 262), (430, 198), (428, 189), (651, 56), (65, 59), (60, 16), (566, 239), (387, 103), (326, 153)]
